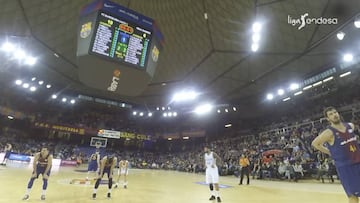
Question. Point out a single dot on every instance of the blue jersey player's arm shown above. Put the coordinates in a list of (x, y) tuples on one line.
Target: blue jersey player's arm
[(325, 137)]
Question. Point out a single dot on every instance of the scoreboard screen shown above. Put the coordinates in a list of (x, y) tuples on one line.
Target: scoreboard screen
[(120, 40)]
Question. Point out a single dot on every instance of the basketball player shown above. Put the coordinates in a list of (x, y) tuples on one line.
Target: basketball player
[(94, 163), (7, 151), (212, 173), (123, 170), (107, 165), (340, 142), (42, 165)]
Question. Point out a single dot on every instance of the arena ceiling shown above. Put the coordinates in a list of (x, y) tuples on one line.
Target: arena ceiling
[(213, 55)]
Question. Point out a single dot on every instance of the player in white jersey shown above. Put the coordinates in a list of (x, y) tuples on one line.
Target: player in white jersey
[(212, 173), (123, 171)]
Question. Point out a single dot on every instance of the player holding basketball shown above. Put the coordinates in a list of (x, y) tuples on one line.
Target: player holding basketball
[(107, 165), (42, 165), (94, 163), (123, 171), (340, 141), (212, 173)]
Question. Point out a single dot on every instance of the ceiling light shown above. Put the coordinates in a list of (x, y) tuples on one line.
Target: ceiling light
[(169, 139), (256, 37), (269, 96), (72, 101), (150, 114), (174, 114), (64, 99), (348, 57), (30, 60), (10, 117), (157, 108), (33, 79), (340, 35), (280, 92), (18, 82), (307, 87), (184, 96), (134, 113), (226, 110), (169, 114), (165, 114), (48, 86), (298, 93), (54, 96), (256, 27), (254, 47), (228, 125), (328, 79), (219, 111), (345, 74), (33, 89), (8, 47), (294, 86), (56, 55), (234, 108), (163, 108), (317, 83), (286, 99), (141, 114), (41, 82), (357, 21), (186, 138), (203, 109), (19, 54), (26, 85)]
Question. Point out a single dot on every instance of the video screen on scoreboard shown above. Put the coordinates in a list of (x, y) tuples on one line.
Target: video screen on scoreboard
[(120, 40)]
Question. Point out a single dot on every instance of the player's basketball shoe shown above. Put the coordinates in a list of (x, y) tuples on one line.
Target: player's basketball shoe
[(94, 196), (109, 195), (26, 197), (212, 197), (218, 199), (42, 197)]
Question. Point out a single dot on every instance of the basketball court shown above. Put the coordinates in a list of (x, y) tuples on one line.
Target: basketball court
[(157, 186)]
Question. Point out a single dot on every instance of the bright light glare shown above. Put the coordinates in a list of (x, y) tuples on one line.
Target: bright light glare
[(48, 86), (294, 86), (30, 60), (149, 114), (280, 92), (256, 27), (18, 82), (234, 108), (185, 96), (340, 35), (72, 101), (357, 23), (175, 114), (10, 117), (254, 47), (141, 114), (33, 89), (54, 96), (348, 57), (256, 37), (64, 99), (41, 82), (33, 79), (269, 96), (26, 85), (19, 54), (134, 113), (203, 109), (8, 47)]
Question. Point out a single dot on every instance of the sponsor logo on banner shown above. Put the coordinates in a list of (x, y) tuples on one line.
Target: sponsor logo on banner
[(85, 30), (109, 133), (155, 54), (115, 81), (64, 128)]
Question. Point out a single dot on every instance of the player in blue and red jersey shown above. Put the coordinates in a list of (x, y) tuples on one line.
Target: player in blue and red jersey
[(340, 141)]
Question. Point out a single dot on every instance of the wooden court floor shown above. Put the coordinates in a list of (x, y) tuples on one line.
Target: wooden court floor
[(153, 186)]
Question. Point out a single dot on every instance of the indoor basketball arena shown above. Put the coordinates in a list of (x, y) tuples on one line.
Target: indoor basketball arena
[(173, 101)]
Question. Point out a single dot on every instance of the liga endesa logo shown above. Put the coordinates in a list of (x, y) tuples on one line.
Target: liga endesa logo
[(115, 81), (306, 20)]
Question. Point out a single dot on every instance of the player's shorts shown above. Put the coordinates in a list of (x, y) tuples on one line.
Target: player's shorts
[(41, 170), (350, 179), (212, 175), (124, 171), (107, 171), (93, 166), (7, 154)]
